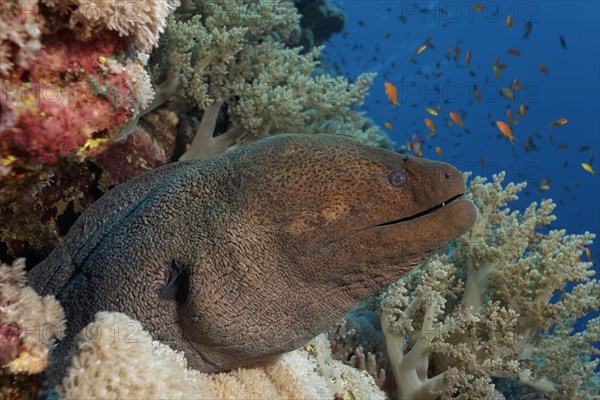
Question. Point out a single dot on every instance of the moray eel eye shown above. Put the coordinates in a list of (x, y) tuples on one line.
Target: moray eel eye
[(397, 178)]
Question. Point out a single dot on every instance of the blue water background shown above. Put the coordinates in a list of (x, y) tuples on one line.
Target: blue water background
[(570, 90)]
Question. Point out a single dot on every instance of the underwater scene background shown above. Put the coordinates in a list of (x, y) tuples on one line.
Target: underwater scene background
[(95, 93)]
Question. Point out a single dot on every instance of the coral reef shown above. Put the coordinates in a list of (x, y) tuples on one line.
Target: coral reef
[(357, 341), (149, 146), (20, 34), (228, 58), (141, 22), (70, 83), (80, 111), (486, 308), (28, 326), (134, 366), (67, 102)]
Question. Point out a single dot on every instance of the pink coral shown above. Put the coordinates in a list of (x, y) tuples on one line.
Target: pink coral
[(66, 98), (145, 148), (10, 344)]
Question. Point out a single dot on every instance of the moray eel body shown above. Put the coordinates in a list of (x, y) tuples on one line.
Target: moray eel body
[(255, 251)]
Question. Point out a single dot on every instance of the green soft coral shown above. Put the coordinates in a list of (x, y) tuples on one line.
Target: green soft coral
[(484, 309), (230, 56)]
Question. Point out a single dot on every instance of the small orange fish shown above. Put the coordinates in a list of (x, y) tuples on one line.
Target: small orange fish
[(516, 85), (388, 125), (501, 66), (544, 184), (476, 93), (588, 168), (522, 110), (431, 111), (438, 150), (416, 145), (468, 58), (588, 253), (418, 51), (506, 130), (508, 93), (558, 122), (509, 22), (513, 52), (510, 118), (430, 125), (392, 93), (544, 69), (478, 7), (496, 71), (457, 119), (457, 51)]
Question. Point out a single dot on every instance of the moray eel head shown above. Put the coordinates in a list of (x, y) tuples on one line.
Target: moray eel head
[(333, 199)]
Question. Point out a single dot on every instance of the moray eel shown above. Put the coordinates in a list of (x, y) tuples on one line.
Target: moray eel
[(255, 251)]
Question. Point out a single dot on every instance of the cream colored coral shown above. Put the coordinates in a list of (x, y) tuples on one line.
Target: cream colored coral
[(231, 53), (484, 309), (20, 34), (142, 21), (116, 358), (38, 319)]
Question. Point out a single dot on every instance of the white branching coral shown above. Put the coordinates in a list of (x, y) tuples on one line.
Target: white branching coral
[(29, 323), (230, 55), (117, 358), (486, 308)]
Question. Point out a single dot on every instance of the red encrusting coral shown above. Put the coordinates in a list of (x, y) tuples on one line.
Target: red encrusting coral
[(144, 149), (40, 208), (58, 112), (10, 343), (67, 100)]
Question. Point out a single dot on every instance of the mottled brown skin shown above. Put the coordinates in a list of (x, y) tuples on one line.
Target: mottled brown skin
[(255, 251)]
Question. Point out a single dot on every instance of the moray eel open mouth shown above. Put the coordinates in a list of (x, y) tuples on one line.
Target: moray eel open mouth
[(426, 212)]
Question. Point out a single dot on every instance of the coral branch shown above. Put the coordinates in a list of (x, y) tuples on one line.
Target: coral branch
[(204, 144), (485, 327)]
